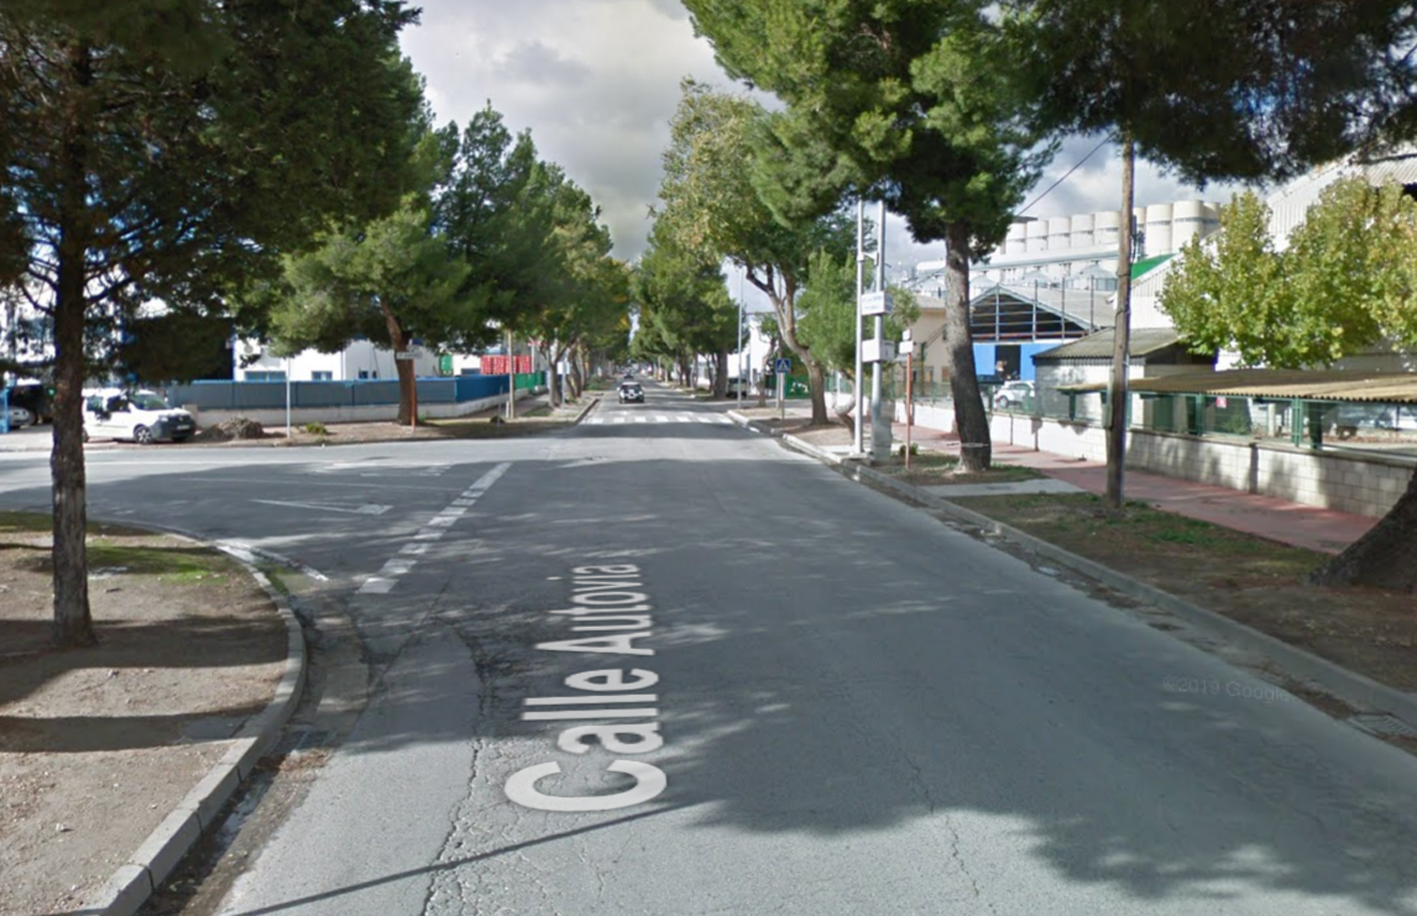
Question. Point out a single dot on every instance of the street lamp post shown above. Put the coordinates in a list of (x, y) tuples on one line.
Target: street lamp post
[(740, 341), (880, 428), (857, 446)]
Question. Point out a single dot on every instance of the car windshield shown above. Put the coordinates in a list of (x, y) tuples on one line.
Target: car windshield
[(146, 400)]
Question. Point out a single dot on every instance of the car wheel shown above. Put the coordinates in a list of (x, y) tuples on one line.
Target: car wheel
[(142, 435)]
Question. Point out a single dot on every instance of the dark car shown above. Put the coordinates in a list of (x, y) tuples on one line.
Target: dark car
[(631, 392), (36, 398)]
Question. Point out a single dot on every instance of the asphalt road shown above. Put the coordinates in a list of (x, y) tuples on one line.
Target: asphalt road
[(667, 667)]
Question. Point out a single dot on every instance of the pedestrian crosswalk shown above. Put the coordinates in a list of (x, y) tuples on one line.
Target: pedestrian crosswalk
[(711, 418)]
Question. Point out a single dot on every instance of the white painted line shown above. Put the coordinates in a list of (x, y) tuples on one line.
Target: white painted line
[(619, 419), (454, 511), (465, 502), (397, 567), (685, 418), (429, 534), (641, 419), (441, 521), (661, 419), (414, 549), (703, 419), (376, 586), (597, 420)]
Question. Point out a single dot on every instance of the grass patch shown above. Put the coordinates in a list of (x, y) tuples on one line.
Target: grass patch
[(171, 564), (1077, 520)]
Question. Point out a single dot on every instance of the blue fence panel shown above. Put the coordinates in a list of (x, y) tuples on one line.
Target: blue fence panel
[(223, 395), (437, 391), (476, 387)]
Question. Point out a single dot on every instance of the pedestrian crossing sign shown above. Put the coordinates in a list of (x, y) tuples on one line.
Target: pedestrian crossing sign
[(782, 365)]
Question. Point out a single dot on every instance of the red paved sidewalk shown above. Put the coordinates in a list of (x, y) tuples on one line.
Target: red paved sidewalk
[(1324, 530)]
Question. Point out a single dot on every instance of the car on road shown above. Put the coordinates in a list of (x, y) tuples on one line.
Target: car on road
[(1013, 395), (632, 393), (140, 416), (735, 385)]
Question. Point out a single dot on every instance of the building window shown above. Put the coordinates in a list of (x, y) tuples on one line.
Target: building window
[(363, 373), (318, 376)]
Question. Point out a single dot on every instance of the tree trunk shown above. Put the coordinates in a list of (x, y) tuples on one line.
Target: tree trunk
[(408, 377), (971, 422), (847, 415), (1117, 396), (73, 623), (553, 375), (1385, 557)]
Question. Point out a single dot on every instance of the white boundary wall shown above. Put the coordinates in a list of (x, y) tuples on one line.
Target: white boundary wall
[(1342, 480)]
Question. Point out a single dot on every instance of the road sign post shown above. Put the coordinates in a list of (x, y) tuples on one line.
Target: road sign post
[(780, 367)]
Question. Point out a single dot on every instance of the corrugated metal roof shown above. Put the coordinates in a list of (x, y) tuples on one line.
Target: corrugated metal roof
[(1316, 385), (1145, 265), (1142, 342)]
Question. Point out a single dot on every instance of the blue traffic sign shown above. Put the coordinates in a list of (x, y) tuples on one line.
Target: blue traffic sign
[(782, 365)]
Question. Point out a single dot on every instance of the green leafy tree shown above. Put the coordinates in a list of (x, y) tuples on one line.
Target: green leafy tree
[(829, 314), (391, 281), (1345, 285), (170, 158), (711, 207), (1212, 89), (910, 101), (689, 312)]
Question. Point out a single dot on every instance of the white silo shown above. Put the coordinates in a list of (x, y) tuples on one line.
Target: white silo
[(1106, 226), (1187, 222), (1037, 236), (1158, 230), (1016, 242), (1059, 233), (1081, 230)]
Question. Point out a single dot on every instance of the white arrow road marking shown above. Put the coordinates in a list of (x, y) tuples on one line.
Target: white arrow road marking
[(368, 509)]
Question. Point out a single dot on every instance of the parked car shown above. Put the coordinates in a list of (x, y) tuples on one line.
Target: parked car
[(38, 399), (632, 393), (1013, 395), (20, 416), (736, 385), (141, 416)]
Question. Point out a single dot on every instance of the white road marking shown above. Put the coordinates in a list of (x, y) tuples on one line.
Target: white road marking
[(437, 526), (368, 509), (376, 586)]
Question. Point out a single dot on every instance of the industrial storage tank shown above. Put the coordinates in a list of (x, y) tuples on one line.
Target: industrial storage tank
[(1106, 228), (1158, 229), (1081, 229), (1016, 242), (1059, 235), (1188, 221), (1037, 236)]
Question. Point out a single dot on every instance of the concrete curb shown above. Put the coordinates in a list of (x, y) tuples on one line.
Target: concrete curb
[(136, 879), (1360, 692), (594, 402)]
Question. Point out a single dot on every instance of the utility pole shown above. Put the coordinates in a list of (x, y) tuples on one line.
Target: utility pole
[(857, 444), (880, 428), (511, 379)]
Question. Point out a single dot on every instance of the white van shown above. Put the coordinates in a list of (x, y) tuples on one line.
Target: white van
[(142, 416)]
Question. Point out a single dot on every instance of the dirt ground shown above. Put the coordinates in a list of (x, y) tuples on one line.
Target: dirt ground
[(97, 745)]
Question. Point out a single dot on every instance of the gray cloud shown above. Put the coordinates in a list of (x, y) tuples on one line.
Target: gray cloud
[(597, 81)]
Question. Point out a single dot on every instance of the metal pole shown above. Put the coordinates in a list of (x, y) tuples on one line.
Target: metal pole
[(857, 445), (880, 429), (909, 404), (288, 432), (511, 379), (740, 342)]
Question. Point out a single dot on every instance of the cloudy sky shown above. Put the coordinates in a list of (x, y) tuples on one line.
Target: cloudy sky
[(596, 82)]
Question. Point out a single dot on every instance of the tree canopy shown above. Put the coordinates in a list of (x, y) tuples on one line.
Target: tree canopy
[(172, 158), (1344, 285)]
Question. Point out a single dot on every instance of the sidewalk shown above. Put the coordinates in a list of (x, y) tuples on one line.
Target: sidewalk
[(1311, 527)]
